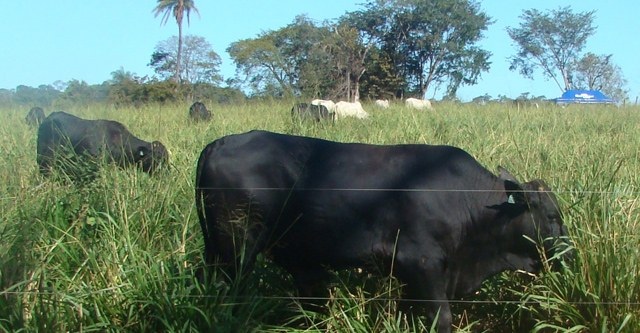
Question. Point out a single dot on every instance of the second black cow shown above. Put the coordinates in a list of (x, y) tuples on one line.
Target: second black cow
[(198, 112), (62, 133), (305, 111), (444, 221)]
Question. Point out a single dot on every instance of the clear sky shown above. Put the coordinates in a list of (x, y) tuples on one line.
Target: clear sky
[(42, 41)]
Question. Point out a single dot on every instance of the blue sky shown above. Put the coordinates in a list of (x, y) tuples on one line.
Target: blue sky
[(45, 41)]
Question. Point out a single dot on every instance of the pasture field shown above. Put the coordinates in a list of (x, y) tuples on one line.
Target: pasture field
[(124, 252)]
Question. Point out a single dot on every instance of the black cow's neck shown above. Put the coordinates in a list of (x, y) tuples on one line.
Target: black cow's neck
[(484, 249)]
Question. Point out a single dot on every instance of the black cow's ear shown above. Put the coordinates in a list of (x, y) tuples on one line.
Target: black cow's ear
[(515, 191), (142, 152), (506, 175)]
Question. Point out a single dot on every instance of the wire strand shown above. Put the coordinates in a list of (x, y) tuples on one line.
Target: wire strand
[(348, 189), (298, 298)]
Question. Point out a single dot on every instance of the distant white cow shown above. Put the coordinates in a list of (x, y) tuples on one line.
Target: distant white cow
[(330, 105), (420, 104), (346, 109), (382, 103)]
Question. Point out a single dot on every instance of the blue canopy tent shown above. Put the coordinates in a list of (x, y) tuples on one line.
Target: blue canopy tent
[(584, 96)]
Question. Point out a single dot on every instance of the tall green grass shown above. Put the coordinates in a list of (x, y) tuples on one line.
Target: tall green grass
[(124, 251)]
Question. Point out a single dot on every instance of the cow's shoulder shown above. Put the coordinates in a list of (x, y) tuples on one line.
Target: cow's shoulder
[(441, 154)]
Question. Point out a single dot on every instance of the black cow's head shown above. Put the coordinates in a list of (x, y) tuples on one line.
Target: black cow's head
[(536, 224), (35, 117), (151, 156)]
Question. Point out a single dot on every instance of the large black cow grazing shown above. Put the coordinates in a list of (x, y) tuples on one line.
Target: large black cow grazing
[(312, 112), (61, 132), (445, 222), (35, 116), (198, 112)]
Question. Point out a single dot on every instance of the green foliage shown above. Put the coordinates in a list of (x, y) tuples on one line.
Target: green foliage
[(411, 44), (551, 41), (175, 8), (593, 72), (199, 62), (381, 80), (80, 92), (273, 62), (44, 95), (429, 42), (128, 89), (262, 65), (348, 53), (124, 252)]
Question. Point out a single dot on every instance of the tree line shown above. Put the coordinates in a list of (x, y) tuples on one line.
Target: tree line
[(390, 48), (387, 49), (402, 48), (125, 88)]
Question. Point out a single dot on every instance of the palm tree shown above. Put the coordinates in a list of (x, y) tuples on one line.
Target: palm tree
[(121, 76), (178, 8)]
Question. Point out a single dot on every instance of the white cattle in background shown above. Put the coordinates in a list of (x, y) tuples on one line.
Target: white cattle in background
[(420, 104), (330, 105), (382, 103), (346, 109)]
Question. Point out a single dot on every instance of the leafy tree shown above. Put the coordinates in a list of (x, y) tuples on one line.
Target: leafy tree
[(177, 8), (385, 74), (428, 42), (264, 66), (126, 87), (598, 72), (162, 91), (121, 76), (199, 62), (315, 71), (380, 80), (348, 53), (279, 62), (551, 41)]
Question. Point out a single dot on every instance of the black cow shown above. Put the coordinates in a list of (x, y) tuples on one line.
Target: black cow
[(310, 111), (61, 132), (35, 116), (446, 222), (198, 112)]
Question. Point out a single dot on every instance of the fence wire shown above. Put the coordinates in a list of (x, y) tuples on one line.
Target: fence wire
[(299, 298), (347, 190)]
